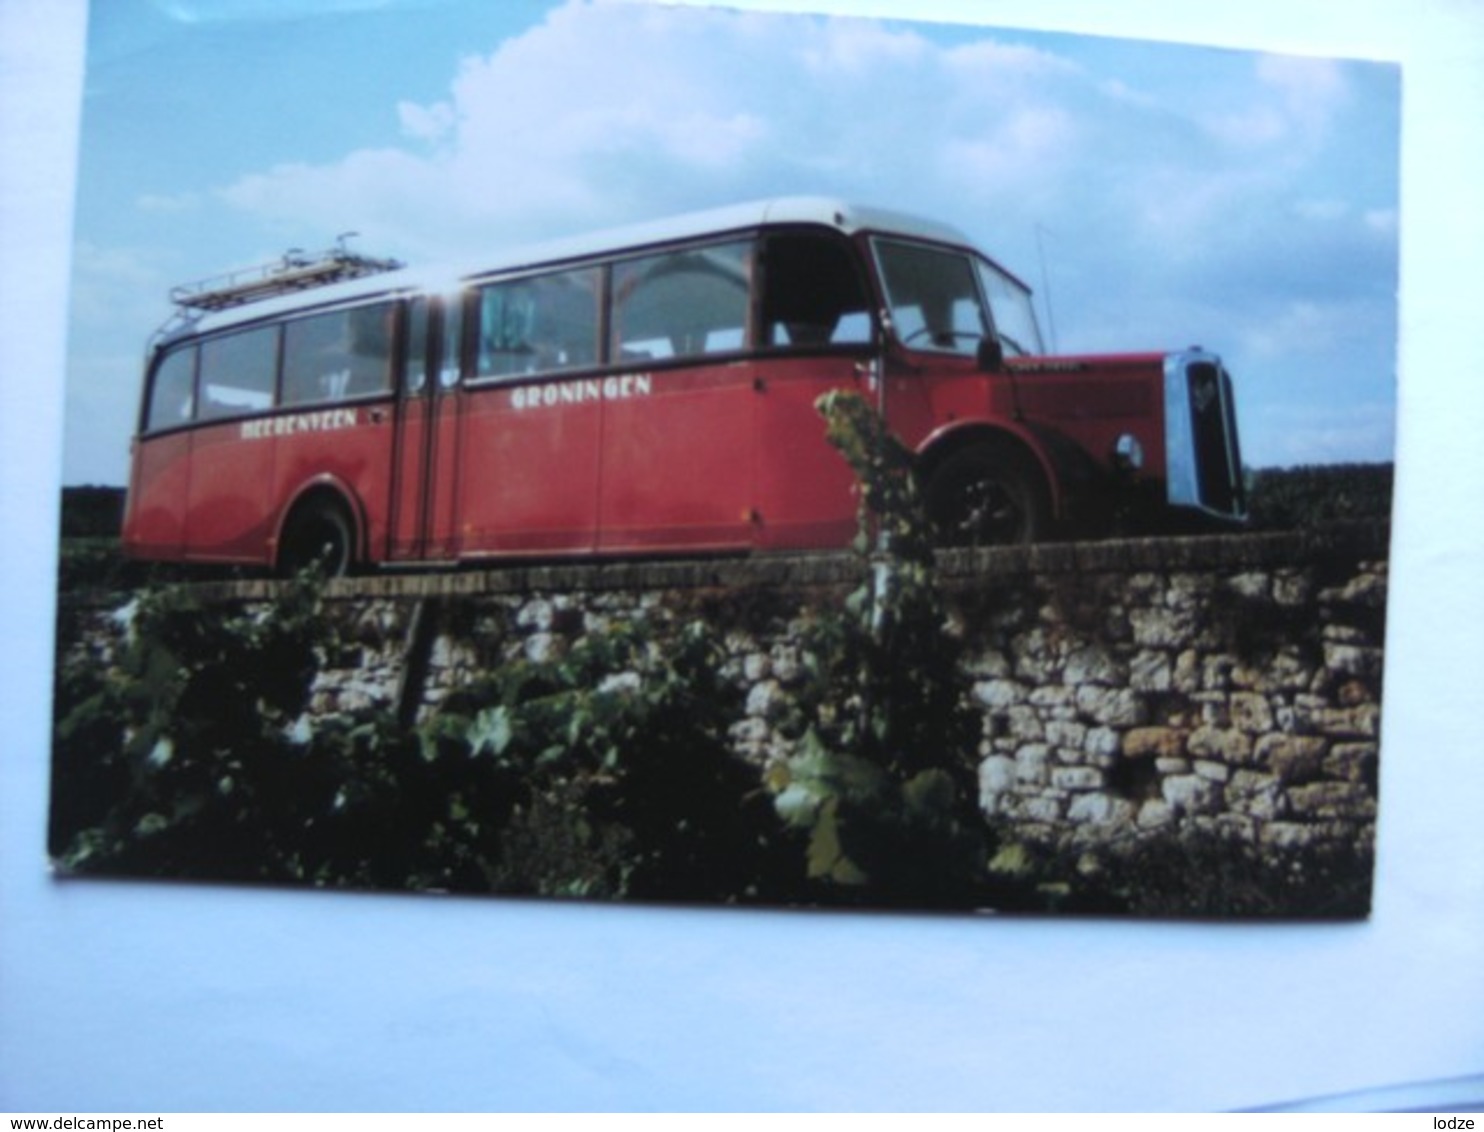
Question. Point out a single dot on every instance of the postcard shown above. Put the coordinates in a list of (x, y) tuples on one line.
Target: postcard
[(690, 455)]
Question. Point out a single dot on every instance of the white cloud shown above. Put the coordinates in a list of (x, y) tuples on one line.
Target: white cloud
[(1295, 101), (860, 49), (1322, 209), (555, 131), (1176, 218), (1251, 127), (1302, 328), (427, 123), (1382, 221), (163, 203), (1311, 89), (106, 280)]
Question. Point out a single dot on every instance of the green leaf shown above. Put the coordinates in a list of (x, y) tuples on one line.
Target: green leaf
[(161, 753), (490, 732), (827, 860), (797, 805), (930, 794), (151, 823)]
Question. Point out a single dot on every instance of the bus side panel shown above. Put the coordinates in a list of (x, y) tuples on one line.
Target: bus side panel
[(443, 498), (528, 467), (806, 495), (227, 516), (677, 460), (1099, 402), (424, 521), (407, 537), (351, 446), (158, 492)]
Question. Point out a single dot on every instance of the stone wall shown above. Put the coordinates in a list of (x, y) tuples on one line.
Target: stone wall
[(1126, 689), (1235, 689)]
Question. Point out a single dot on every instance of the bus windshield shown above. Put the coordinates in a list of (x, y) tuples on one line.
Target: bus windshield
[(937, 300), (1014, 317)]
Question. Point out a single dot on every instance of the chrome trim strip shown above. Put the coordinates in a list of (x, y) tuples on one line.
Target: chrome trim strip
[(1183, 485), (1229, 436)]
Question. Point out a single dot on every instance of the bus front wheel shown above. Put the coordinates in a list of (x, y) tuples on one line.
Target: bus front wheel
[(987, 495), (320, 534)]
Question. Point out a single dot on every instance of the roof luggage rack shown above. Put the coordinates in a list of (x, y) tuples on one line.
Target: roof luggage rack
[(295, 271)]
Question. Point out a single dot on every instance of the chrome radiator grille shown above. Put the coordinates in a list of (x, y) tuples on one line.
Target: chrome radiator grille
[(1204, 460)]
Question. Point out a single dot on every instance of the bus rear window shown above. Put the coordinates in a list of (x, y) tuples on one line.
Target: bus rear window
[(682, 304), (172, 397)]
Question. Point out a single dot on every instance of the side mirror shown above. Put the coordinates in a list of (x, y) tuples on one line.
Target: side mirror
[(990, 356)]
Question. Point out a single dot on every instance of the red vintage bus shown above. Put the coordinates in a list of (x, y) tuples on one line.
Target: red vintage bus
[(648, 391)]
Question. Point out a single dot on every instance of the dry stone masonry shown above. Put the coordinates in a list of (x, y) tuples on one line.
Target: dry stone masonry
[(1245, 701), (1127, 690)]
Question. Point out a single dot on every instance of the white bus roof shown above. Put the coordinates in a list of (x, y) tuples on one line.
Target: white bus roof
[(842, 216)]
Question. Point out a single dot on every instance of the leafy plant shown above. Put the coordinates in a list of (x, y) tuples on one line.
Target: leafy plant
[(168, 758), (882, 778), (626, 785), (1188, 872), (1304, 497), (603, 772)]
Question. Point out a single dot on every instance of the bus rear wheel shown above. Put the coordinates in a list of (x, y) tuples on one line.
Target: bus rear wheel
[(987, 495), (319, 534)]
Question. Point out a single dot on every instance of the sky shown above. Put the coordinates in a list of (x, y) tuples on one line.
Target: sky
[(1156, 196)]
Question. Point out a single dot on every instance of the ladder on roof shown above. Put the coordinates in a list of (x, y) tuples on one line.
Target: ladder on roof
[(295, 271)]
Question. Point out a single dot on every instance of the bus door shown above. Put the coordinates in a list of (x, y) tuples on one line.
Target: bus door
[(815, 334), (678, 411), (423, 500), (532, 416)]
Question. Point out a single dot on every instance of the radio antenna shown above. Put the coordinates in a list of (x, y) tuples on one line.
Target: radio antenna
[(1046, 286)]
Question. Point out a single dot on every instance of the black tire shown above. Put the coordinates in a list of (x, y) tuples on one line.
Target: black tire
[(319, 533), (987, 495)]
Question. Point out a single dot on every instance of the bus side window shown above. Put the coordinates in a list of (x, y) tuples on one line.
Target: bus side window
[(682, 304), (542, 324), (451, 356), (238, 373), (335, 356), (812, 293), (415, 351), (172, 397), (370, 341)]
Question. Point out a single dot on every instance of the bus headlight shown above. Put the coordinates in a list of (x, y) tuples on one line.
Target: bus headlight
[(1128, 453)]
